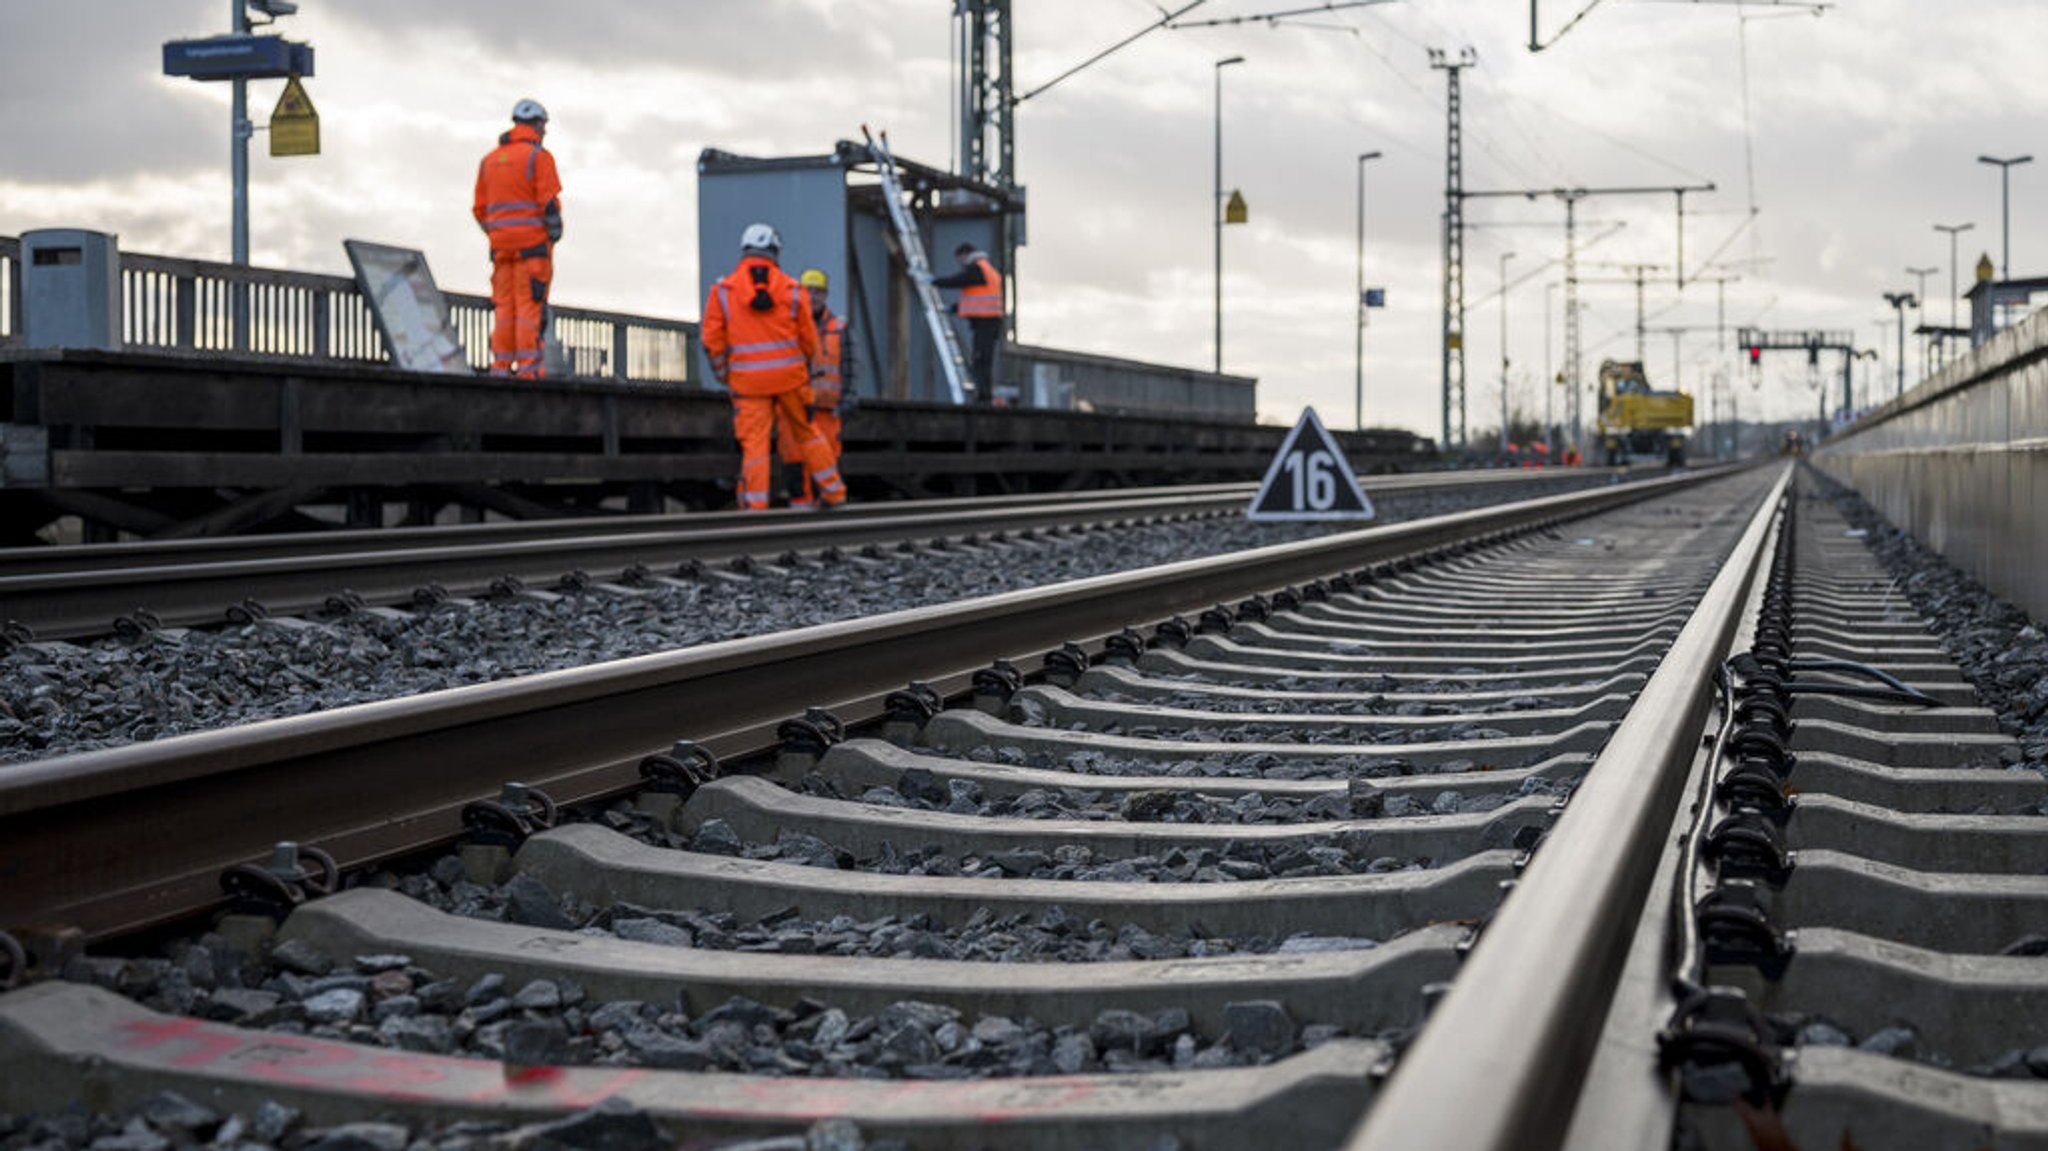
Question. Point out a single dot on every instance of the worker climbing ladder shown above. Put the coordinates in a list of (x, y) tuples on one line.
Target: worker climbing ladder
[(948, 341)]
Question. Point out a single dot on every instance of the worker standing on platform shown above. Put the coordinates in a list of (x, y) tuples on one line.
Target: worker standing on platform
[(762, 342), (827, 399), (518, 205), (981, 305)]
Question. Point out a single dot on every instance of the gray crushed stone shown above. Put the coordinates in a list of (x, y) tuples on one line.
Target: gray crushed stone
[(1341, 853), (922, 790), (554, 1023), (1051, 935), (1218, 765), (1362, 685), (59, 697), (1031, 713), (169, 1120), (1280, 703), (1899, 1039)]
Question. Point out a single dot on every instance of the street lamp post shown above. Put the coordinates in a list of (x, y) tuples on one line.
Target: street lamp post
[(1504, 258), (1358, 319), (1900, 301), (1953, 231), (2005, 168), (1217, 205), (1920, 316)]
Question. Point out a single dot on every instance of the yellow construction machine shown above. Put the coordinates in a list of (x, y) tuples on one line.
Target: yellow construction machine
[(1637, 423)]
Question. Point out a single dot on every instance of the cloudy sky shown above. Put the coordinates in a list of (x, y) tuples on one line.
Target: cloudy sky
[(1856, 131)]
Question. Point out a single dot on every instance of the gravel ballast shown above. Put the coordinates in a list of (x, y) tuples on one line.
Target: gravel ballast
[(169, 1120), (1051, 935), (1249, 765), (921, 791), (59, 697), (388, 1001)]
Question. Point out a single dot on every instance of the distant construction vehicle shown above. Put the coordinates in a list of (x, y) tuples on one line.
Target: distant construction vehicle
[(1638, 424)]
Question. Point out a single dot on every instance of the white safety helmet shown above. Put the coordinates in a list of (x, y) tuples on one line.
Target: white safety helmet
[(760, 238), (529, 112)]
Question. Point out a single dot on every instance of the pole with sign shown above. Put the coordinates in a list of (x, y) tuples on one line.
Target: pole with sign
[(238, 58)]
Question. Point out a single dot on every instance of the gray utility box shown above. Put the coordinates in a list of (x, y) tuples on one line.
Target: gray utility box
[(70, 289)]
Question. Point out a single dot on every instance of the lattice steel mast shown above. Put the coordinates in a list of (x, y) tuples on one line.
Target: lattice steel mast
[(988, 115), (1454, 243)]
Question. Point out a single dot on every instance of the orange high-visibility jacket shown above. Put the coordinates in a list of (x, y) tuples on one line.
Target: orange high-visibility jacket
[(758, 331), (826, 381), (983, 300), (517, 193)]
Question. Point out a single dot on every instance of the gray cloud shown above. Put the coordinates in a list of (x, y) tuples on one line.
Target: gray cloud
[(1866, 127)]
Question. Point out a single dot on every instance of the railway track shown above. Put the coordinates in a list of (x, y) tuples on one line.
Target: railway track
[(1194, 885), (79, 591)]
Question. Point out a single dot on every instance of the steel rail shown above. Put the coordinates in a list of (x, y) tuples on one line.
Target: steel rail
[(125, 838), (195, 582), (1500, 1062), (72, 558), (72, 604), (155, 552)]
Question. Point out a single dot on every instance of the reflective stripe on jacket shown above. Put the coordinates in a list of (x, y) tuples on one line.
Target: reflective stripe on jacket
[(516, 192), (826, 382), (984, 300), (759, 351)]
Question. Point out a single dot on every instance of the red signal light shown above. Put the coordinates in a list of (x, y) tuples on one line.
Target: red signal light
[(1756, 356)]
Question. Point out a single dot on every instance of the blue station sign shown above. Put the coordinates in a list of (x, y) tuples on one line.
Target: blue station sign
[(237, 58)]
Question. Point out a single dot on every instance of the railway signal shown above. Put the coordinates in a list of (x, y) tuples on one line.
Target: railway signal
[(1309, 479)]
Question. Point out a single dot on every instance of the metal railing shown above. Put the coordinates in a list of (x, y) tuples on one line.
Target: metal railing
[(189, 305), (184, 305)]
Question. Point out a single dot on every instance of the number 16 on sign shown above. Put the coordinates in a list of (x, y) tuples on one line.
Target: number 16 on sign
[(1309, 479)]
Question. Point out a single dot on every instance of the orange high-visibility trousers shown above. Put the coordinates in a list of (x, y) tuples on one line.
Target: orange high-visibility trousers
[(753, 418), (519, 300), (825, 421)]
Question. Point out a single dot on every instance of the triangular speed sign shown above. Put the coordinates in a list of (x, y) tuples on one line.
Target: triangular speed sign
[(1309, 479)]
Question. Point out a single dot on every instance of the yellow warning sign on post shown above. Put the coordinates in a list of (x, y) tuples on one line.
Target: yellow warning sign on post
[(1234, 210), (294, 124)]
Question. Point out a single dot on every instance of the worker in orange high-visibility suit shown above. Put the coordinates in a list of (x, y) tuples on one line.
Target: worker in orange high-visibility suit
[(518, 205), (828, 397), (981, 305), (762, 342)]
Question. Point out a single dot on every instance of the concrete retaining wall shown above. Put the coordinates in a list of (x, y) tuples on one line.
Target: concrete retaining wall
[(1961, 461)]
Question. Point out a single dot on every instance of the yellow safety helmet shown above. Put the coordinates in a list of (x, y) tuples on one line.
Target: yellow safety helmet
[(813, 278)]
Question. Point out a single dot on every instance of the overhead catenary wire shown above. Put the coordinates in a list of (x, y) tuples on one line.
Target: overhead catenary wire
[(1554, 262), (1165, 20), (1537, 44), (1550, 112), (1278, 17), (1475, 135)]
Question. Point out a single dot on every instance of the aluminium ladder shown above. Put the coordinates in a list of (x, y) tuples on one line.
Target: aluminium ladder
[(951, 360)]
